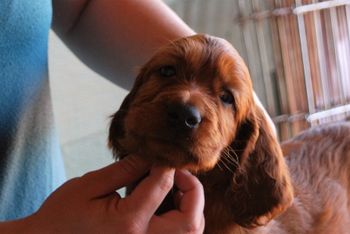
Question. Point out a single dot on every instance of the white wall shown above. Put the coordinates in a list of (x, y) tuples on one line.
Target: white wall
[(83, 102)]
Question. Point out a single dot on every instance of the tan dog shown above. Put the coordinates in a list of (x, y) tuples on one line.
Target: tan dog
[(193, 107)]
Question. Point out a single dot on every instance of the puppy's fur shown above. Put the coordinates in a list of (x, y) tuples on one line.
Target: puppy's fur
[(193, 107)]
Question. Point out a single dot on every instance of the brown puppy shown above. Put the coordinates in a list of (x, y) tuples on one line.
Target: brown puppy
[(193, 107)]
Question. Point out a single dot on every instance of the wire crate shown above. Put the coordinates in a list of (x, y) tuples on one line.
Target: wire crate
[(297, 51)]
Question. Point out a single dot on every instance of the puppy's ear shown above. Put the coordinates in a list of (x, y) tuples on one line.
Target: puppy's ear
[(261, 186), (116, 129)]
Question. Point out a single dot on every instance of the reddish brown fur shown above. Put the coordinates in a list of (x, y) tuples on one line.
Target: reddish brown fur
[(234, 151)]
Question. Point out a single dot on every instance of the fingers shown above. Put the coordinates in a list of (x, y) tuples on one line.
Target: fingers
[(150, 193), (177, 198), (117, 175), (202, 225), (189, 217), (192, 197)]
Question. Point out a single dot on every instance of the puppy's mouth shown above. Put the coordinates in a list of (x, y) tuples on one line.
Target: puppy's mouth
[(184, 152)]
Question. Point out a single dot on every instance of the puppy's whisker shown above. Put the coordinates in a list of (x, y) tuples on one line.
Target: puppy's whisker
[(231, 160), (230, 149), (225, 165), (226, 155), (234, 152), (231, 157), (218, 164), (234, 166), (228, 164)]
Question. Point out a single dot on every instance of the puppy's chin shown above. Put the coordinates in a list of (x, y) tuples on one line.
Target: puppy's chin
[(180, 155)]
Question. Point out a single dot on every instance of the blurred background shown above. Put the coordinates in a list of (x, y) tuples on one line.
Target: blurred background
[(298, 53)]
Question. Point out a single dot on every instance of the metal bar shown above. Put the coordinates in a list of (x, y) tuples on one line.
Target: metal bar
[(282, 102), (255, 16), (290, 118), (336, 40), (306, 62), (278, 61), (328, 113), (282, 11), (322, 59), (332, 71), (347, 12), (343, 46), (302, 9), (261, 15), (283, 32)]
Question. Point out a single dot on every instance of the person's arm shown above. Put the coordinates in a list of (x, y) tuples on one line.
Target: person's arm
[(17, 226), (116, 36)]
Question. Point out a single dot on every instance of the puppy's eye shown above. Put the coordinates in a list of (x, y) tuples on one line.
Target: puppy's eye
[(167, 71), (226, 97)]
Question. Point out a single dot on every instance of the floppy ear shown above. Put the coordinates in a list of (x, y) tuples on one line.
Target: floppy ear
[(116, 129), (261, 185)]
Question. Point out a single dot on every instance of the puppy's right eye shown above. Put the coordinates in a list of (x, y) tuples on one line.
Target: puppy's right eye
[(167, 71), (227, 97)]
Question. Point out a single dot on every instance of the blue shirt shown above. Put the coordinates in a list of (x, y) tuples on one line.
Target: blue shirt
[(31, 166)]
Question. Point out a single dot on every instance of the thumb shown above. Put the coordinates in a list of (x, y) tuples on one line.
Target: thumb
[(115, 176), (150, 192)]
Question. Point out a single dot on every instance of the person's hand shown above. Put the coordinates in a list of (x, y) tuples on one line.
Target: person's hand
[(89, 204)]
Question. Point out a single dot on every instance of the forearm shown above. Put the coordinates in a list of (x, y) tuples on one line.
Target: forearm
[(25, 225), (116, 36)]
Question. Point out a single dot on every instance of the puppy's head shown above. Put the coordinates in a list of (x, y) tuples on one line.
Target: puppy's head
[(185, 106), (193, 107)]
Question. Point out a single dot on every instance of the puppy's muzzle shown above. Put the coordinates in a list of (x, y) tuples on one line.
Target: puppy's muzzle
[(184, 117)]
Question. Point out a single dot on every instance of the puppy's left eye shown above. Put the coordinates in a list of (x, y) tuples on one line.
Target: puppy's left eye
[(227, 97), (167, 71)]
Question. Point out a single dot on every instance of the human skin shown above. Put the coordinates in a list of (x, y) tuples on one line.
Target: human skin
[(89, 204), (113, 37)]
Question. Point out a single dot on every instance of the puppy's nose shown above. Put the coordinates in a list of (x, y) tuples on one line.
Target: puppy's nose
[(183, 115)]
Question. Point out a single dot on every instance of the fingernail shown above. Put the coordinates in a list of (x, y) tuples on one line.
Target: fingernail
[(186, 172)]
